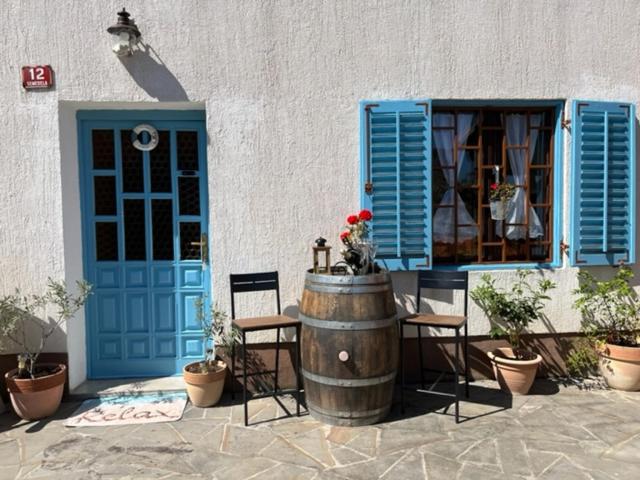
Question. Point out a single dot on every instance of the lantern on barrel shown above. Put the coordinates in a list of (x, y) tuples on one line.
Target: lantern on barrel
[(321, 248)]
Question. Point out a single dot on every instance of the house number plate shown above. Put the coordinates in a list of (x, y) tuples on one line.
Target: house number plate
[(37, 77)]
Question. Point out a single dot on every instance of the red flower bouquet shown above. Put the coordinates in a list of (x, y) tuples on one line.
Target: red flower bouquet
[(359, 252)]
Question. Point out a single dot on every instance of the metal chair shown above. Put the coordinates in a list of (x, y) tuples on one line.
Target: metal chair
[(256, 282), (443, 281)]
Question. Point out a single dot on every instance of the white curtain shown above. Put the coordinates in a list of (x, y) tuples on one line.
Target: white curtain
[(443, 219), (516, 129)]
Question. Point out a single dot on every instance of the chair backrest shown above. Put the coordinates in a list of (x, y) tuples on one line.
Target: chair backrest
[(443, 280), (253, 282)]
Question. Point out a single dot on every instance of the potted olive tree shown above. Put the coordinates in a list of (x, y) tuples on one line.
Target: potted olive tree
[(28, 321), (611, 320), (510, 313), (205, 378)]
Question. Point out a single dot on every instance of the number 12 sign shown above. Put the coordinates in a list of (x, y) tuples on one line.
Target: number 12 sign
[(39, 76)]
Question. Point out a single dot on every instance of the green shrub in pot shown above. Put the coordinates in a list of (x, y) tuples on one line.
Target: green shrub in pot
[(611, 320), (510, 312)]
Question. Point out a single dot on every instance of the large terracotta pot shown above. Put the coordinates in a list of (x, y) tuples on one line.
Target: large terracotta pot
[(514, 376), (33, 399), (205, 389), (620, 367)]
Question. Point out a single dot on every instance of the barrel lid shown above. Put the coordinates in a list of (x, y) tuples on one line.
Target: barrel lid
[(346, 280)]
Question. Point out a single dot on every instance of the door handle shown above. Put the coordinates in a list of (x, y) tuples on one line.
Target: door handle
[(204, 249)]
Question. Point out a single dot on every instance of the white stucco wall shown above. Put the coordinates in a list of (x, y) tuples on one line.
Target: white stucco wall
[(280, 82)]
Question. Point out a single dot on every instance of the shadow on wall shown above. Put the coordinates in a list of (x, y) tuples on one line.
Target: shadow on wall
[(152, 75)]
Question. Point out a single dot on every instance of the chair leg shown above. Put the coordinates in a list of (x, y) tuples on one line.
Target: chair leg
[(233, 371), (244, 379), (456, 376), (275, 390), (401, 366), (466, 360), (420, 355), (297, 372)]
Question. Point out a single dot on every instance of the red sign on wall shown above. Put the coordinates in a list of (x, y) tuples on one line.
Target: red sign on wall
[(38, 76)]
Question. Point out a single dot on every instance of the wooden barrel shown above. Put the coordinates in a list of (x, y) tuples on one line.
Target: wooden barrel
[(349, 347)]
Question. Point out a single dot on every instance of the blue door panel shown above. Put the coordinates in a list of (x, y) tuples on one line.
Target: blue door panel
[(192, 347), (144, 213), (191, 277), (136, 312), (163, 276), (188, 309), (165, 347), (108, 312), (164, 311)]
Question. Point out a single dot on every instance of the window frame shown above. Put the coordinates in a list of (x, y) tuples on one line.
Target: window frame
[(481, 227), (557, 200)]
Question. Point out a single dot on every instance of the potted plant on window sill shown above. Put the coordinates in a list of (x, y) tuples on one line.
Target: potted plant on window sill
[(611, 321), (500, 195), (205, 378), (36, 388), (510, 313)]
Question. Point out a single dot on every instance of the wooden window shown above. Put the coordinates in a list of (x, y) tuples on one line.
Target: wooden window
[(467, 145)]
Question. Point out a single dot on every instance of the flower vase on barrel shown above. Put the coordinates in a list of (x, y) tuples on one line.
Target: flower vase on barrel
[(359, 251)]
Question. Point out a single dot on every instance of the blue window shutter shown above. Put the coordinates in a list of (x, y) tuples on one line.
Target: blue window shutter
[(603, 183), (396, 180)]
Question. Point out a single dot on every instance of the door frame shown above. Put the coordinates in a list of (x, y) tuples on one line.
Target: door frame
[(85, 121)]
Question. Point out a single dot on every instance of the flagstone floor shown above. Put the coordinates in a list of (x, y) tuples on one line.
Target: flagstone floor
[(558, 432)]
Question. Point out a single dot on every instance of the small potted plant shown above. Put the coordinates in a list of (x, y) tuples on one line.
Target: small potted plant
[(500, 195), (359, 251), (611, 320), (205, 378), (510, 313), (36, 388)]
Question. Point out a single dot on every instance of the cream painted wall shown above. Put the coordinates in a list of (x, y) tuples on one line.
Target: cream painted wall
[(280, 82)]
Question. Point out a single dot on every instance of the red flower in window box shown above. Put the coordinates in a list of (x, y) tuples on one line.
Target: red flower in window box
[(344, 236), (352, 219), (501, 191)]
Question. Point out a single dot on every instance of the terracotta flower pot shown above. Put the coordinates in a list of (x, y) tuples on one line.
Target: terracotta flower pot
[(33, 399), (620, 367), (514, 376), (205, 389)]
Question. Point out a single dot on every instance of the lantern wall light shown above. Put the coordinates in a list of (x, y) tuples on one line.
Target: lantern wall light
[(125, 34)]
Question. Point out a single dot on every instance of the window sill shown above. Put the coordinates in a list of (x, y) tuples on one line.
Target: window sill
[(412, 264)]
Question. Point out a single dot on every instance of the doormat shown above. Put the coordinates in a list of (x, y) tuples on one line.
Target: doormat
[(129, 410)]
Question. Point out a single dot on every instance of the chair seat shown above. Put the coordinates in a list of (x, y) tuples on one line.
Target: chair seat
[(265, 323), (432, 320)]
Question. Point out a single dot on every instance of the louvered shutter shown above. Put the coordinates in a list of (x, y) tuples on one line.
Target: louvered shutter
[(603, 183), (396, 179)]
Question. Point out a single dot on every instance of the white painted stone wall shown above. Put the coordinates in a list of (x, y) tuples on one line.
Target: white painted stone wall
[(280, 82)]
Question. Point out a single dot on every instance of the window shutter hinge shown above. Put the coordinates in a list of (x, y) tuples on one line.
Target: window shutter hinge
[(427, 263), (564, 248), (565, 122), (426, 107), (368, 188)]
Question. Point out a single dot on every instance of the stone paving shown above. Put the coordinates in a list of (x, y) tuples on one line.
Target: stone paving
[(558, 432)]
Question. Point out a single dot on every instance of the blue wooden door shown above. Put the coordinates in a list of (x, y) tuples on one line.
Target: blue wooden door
[(144, 227)]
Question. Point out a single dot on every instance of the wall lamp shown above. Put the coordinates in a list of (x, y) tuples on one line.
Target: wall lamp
[(125, 34)]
